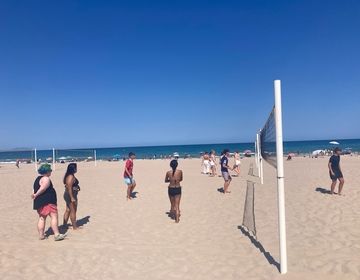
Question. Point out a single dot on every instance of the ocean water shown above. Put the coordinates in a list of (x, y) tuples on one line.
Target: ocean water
[(302, 147)]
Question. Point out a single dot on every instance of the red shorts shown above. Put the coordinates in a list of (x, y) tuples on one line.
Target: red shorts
[(47, 210)]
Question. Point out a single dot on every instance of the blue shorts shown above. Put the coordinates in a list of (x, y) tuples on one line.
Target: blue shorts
[(129, 181)]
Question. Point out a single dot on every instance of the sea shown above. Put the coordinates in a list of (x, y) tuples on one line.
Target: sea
[(151, 152)]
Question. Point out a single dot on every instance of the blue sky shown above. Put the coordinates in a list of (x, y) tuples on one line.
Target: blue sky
[(124, 73)]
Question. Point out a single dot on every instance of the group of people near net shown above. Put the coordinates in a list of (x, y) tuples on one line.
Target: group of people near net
[(45, 198)]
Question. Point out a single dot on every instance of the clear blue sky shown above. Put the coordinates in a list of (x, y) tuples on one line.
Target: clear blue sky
[(113, 73)]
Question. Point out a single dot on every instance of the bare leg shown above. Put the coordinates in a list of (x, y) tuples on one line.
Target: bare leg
[(66, 216), (73, 215), (226, 186), (41, 227), (333, 185), (132, 188), (177, 208), (173, 207), (54, 223), (128, 196), (342, 182)]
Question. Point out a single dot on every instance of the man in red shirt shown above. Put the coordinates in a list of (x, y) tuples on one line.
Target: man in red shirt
[(128, 175)]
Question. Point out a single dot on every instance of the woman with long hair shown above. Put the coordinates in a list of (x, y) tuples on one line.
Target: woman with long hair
[(174, 177), (70, 195)]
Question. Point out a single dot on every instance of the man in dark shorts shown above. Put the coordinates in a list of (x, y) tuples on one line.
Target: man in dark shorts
[(335, 171), (224, 161)]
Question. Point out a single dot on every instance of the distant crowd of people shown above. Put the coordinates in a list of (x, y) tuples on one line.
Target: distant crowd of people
[(209, 165)]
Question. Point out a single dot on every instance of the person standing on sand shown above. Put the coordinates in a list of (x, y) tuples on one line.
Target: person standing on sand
[(128, 176), (206, 163), (70, 195), (17, 164), (45, 202), (237, 163), (225, 170), (212, 161), (335, 171), (174, 177)]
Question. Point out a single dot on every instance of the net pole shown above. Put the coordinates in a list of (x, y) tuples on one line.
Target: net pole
[(53, 158), (256, 154), (261, 166), (280, 176), (35, 159), (95, 157)]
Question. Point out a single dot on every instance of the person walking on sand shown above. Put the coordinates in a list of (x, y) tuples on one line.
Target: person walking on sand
[(335, 171), (225, 170), (128, 176), (237, 163), (212, 160), (72, 189), (174, 177), (45, 202), (17, 164)]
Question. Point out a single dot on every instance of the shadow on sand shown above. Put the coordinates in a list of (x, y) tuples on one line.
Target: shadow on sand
[(133, 195), (220, 190), (323, 190), (64, 228), (259, 246)]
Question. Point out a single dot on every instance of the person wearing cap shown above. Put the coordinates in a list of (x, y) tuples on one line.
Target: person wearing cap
[(335, 171), (225, 170), (45, 202), (128, 176)]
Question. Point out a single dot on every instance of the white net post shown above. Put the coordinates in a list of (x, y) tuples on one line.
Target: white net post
[(35, 159), (280, 176), (95, 158), (53, 159), (261, 167)]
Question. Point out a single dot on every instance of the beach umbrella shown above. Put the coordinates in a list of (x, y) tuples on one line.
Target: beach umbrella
[(334, 143), (116, 156), (247, 152)]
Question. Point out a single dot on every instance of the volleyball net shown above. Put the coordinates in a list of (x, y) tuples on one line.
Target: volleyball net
[(269, 148)]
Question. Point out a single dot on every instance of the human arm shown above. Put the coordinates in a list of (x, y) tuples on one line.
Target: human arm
[(226, 165), (181, 176), (330, 167), (167, 179), (68, 185), (44, 184)]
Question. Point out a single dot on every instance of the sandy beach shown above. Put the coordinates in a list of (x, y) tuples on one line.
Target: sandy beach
[(137, 240)]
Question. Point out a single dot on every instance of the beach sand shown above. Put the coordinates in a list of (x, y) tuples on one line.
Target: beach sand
[(137, 240)]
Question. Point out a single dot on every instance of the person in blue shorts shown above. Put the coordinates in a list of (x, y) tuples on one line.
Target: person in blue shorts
[(128, 176), (335, 171)]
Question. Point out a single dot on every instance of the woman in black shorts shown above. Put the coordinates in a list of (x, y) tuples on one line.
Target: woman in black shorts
[(70, 195), (174, 177), (335, 171)]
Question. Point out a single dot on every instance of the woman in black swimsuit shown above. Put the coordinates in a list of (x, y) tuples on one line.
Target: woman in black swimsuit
[(174, 177), (70, 195)]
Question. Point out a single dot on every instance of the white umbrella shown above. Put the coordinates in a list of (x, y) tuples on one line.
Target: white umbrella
[(334, 143)]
